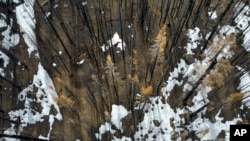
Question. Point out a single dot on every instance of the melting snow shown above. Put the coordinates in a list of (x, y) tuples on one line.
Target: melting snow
[(43, 96), (6, 60), (84, 3), (45, 88), (172, 79), (212, 15), (80, 62), (41, 91), (228, 29), (207, 130), (121, 139), (60, 52), (54, 64), (244, 87), (116, 118), (194, 38), (116, 40), (117, 114), (155, 110), (163, 112), (10, 131), (242, 21), (9, 39), (26, 20), (48, 14)]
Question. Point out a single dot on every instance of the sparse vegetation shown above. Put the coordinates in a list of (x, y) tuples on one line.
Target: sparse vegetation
[(224, 67), (203, 132), (64, 101), (220, 43), (158, 47), (216, 76), (214, 80), (147, 91), (235, 98)]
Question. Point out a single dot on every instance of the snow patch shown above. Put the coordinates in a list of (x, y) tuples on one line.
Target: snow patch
[(54, 64), (43, 97), (161, 122), (194, 38), (117, 114), (244, 87), (26, 20), (207, 130), (157, 120), (6, 61), (121, 139), (48, 14), (10, 39), (84, 3), (10, 131), (242, 20), (228, 29), (80, 62), (115, 41), (212, 15)]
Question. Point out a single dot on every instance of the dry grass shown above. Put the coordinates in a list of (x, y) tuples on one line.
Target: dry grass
[(184, 134), (214, 80), (224, 67), (235, 98), (246, 121), (147, 91), (203, 132), (222, 41), (157, 49), (63, 101)]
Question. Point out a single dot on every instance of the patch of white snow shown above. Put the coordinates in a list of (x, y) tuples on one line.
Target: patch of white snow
[(6, 60), (194, 39), (26, 20), (244, 87), (84, 3), (9, 39), (116, 40), (212, 15), (80, 62), (43, 96), (118, 113), (242, 21)]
